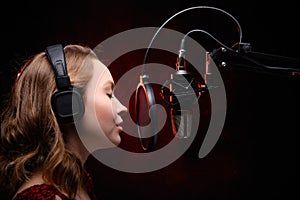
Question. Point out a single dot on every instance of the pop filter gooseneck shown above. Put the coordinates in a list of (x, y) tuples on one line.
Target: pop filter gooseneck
[(144, 97)]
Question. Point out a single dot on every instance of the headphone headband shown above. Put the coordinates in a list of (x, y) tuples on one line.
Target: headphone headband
[(56, 57)]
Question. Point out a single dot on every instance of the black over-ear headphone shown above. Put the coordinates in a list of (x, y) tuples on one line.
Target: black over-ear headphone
[(67, 102)]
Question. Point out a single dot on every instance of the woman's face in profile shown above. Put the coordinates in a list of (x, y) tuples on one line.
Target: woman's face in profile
[(101, 124)]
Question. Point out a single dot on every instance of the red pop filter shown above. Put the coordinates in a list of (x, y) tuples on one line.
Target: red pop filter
[(146, 114)]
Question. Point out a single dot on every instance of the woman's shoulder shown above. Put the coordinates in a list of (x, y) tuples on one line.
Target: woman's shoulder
[(37, 189), (40, 192)]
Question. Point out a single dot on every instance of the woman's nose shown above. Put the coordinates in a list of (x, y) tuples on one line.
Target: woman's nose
[(121, 109)]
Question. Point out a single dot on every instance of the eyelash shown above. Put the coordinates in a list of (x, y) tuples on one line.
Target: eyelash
[(110, 96)]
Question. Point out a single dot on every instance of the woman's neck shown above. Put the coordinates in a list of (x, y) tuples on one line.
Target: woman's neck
[(74, 144)]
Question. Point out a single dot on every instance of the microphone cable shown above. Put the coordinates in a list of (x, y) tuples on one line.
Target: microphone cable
[(185, 10)]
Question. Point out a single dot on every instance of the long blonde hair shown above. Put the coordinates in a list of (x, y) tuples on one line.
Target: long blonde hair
[(31, 138)]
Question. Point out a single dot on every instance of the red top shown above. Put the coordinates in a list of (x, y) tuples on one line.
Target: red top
[(49, 192)]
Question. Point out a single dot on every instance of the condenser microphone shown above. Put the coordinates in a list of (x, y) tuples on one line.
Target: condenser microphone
[(181, 95), (186, 92), (181, 115)]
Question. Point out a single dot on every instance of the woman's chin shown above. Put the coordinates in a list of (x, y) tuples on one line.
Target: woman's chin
[(116, 140)]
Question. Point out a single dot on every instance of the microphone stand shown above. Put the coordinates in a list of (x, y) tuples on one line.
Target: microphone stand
[(245, 58)]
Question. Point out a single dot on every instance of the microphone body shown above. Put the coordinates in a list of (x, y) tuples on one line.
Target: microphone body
[(183, 94), (181, 97)]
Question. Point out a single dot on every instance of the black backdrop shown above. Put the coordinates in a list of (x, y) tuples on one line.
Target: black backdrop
[(256, 155)]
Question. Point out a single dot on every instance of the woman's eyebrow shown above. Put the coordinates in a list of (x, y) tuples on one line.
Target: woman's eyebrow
[(109, 85)]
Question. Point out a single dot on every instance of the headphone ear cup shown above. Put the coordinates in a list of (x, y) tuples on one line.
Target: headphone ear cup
[(68, 105)]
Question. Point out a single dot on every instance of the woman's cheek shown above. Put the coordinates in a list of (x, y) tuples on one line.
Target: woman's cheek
[(107, 125), (104, 114)]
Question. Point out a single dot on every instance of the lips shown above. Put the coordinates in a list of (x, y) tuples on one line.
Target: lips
[(119, 126)]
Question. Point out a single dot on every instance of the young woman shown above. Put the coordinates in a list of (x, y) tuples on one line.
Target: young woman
[(42, 158)]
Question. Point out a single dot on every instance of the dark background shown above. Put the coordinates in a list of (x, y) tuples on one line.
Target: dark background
[(257, 153)]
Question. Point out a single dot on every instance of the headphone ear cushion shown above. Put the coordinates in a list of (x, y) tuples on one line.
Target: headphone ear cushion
[(68, 105)]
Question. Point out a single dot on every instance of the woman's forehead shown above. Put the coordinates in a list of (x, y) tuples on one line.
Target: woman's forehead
[(101, 73)]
